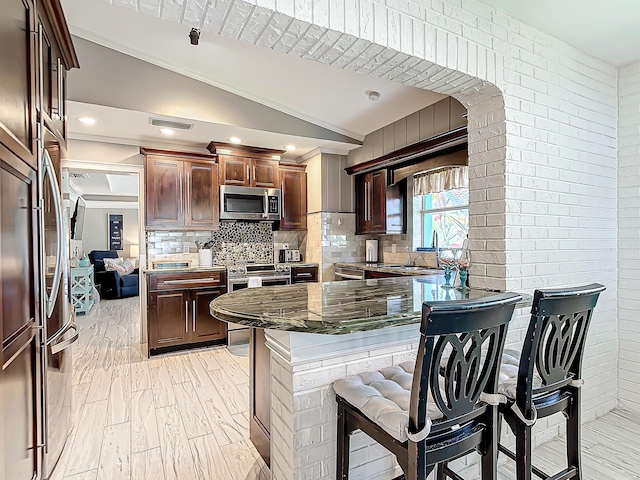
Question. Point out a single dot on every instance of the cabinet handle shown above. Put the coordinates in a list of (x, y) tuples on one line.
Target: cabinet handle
[(40, 77), (186, 315), (366, 201), (181, 196), (193, 315), (191, 280), (370, 199), (60, 102), (282, 199), (254, 174), (248, 174), (188, 194)]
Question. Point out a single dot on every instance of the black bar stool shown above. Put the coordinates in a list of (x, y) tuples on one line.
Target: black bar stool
[(546, 377), (442, 407)]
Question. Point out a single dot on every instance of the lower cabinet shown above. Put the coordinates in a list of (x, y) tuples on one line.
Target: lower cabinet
[(178, 311)]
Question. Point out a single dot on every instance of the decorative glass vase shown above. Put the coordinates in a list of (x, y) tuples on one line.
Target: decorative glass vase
[(463, 278), (447, 260)]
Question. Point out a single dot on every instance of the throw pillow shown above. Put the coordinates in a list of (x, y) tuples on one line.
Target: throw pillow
[(127, 266)]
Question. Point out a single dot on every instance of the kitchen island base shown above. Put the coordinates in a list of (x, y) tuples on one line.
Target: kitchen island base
[(303, 410)]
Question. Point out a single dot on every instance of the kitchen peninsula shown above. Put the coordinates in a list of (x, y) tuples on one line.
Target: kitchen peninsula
[(308, 335)]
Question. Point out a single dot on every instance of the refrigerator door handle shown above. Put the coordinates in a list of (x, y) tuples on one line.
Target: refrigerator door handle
[(58, 347), (57, 274)]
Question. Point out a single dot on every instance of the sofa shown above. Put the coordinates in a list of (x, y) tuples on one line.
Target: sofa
[(112, 285)]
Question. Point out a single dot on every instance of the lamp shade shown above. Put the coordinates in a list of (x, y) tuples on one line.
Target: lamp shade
[(134, 251)]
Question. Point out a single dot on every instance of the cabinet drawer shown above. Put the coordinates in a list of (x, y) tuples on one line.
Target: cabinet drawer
[(181, 281)]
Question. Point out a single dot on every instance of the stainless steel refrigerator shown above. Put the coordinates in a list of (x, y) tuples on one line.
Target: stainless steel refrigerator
[(60, 330)]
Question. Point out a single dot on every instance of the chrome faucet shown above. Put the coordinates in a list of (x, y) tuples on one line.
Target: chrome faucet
[(410, 263)]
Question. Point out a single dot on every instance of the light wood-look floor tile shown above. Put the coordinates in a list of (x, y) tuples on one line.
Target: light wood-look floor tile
[(231, 367), (243, 461), (140, 376), (231, 396), (176, 453), (163, 394), (147, 465), (144, 427), (85, 453), (208, 457), (194, 419), (90, 475), (115, 456), (224, 427), (120, 396)]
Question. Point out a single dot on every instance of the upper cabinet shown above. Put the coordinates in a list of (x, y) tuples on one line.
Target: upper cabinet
[(380, 207), (55, 56), (248, 172), (181, 191), (245, 166), (293, 184)]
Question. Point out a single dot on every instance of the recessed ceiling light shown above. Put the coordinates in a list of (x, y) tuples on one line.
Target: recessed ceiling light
[(167, 131), (290, 147), (235, 140), (87, 120)]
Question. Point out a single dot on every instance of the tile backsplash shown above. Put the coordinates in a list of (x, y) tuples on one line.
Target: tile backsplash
[(234, 242)]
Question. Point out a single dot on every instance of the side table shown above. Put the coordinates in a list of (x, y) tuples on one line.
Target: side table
[(82, 288)]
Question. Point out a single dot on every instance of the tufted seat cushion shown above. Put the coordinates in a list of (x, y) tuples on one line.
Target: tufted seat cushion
[(509, 374), (384, 397)]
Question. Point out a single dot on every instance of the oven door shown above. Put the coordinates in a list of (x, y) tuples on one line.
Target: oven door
[(236, 284)]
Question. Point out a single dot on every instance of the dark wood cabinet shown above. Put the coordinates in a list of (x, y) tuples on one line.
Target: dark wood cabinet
[(201, 195), (181, 191), (380, 207), (178, 310), (293, 185), (370, 274), (304, 274), (164, 192), (248, 172), (18, 78), (260, 394)]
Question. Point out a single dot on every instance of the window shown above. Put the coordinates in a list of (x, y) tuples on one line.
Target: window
[(446, 213)]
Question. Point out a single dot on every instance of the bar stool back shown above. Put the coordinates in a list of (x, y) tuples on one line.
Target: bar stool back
[(441, 407), (546, 377)]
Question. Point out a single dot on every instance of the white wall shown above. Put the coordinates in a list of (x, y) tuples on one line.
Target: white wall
[(629, 234), (95, 234)]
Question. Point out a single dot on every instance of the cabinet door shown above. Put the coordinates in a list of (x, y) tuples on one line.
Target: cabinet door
[(168, 319), (264, 173), (234, 170), (164, 192), (202, 195), (378, 205), (293, 183), (17, 77), (304, 274), (362, 204), (18, 352), (203, 326)]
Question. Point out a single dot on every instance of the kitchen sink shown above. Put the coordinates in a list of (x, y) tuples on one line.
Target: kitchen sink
[(406, 267)]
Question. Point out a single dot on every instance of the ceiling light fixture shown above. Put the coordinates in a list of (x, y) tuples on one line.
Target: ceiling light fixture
[(234, 140), (87, 120), (290, 147), (167, 131), (372, 95)]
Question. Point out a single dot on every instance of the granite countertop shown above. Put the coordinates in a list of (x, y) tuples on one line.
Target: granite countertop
[(338, 307), (391, 268), (214, 268)]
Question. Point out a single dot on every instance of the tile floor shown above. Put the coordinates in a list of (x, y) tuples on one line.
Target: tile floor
[(184, 416), (181, 416)]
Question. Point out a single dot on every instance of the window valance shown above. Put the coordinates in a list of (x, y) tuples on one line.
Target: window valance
[(440, 180)]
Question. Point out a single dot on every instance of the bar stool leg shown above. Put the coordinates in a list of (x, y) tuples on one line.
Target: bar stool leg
[(574, 434), (342, 469), (440, 475), (490, 448), (523, 451)]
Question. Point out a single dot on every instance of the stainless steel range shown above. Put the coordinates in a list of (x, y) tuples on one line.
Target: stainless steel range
[(252, 275)]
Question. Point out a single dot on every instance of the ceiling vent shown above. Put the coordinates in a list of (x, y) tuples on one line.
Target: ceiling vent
[(79, 175), (158, 122)]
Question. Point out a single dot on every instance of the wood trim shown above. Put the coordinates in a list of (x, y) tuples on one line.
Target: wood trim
[(293, 167), (172, 153), (458, 157), (53, 10), (406, 154), (243, 151)]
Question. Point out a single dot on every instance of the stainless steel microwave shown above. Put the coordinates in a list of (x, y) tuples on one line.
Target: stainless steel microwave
[(249, 203)]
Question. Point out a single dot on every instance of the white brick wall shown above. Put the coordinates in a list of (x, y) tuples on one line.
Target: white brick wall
[(542, 132), (629, 237)]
